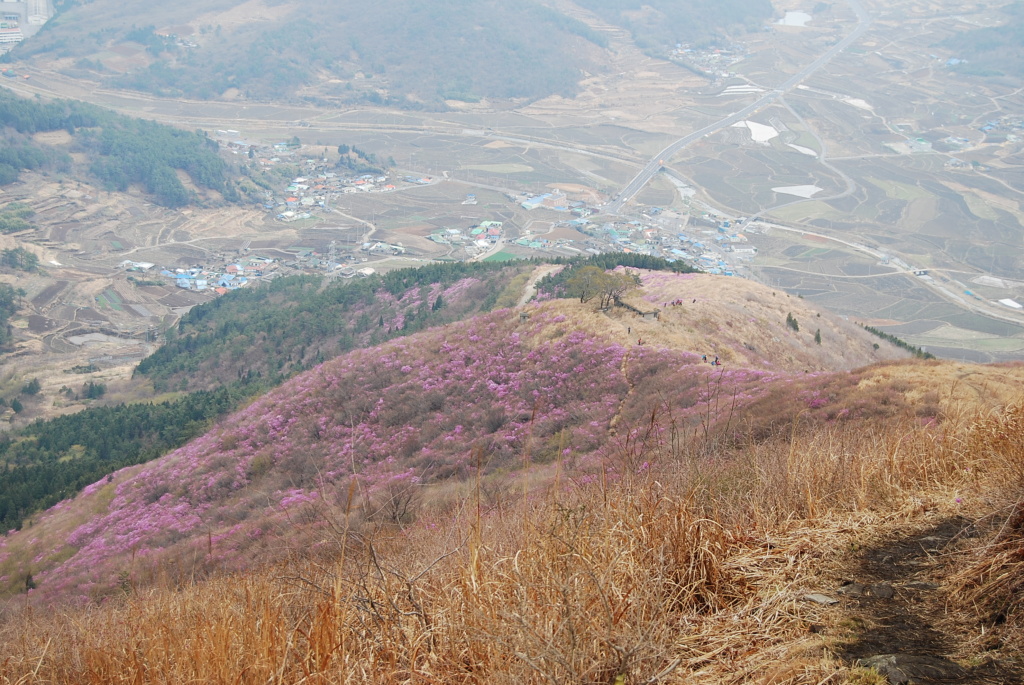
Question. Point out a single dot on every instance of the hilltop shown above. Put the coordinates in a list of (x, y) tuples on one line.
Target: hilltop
[(406, 54), (555, 493)]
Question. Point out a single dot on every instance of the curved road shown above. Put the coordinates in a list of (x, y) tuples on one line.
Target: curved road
[(652, 167)]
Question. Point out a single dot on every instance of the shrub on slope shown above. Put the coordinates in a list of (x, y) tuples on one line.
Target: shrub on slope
[(566, 386), (237, 346)]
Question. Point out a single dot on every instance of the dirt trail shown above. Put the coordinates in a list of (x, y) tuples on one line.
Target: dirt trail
[(531, 286), (893, 603)]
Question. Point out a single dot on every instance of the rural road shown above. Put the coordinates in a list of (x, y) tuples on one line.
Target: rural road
[(656, 162)]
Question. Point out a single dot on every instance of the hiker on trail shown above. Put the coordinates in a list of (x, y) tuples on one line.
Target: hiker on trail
[(716, 362), (704, 358), (640, 341), (629, 329)]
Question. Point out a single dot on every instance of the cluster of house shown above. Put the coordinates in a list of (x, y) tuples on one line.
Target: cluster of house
[(475, 239), (711, 60), (320, 183), (220, 281), (1005, 125), (711, 242), (306, 193)]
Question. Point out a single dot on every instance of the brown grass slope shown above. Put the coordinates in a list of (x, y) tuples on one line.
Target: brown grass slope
[(685, 559)]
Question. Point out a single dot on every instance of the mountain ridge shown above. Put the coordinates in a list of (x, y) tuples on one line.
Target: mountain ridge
[(557, 382), (401, 54)]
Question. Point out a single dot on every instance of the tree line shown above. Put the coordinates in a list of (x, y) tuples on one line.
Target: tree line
[(9, 297), (898, 342), (558, 284), (19, 259)]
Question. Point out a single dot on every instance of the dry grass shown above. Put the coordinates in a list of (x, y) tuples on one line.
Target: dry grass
[(687, 568), (987, 587)]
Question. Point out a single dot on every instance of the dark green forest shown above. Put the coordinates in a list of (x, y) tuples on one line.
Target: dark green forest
[(51, 460), (402, 53), (125, 151), (993, 51)]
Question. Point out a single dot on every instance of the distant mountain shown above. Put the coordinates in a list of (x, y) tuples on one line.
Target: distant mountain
[(555, 382), (994, 50), (405, 53)]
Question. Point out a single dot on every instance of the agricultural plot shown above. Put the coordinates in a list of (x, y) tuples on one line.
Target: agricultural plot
[(108, 299)]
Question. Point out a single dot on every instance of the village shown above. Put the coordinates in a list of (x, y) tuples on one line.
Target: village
[(557, 224)]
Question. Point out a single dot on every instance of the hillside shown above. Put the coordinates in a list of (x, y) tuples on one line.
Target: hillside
[(535, 495), (994, 50), (284, 328), (429, 407), (406, 54)]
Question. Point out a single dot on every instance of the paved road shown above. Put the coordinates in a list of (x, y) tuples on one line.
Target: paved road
[(652, 167)]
